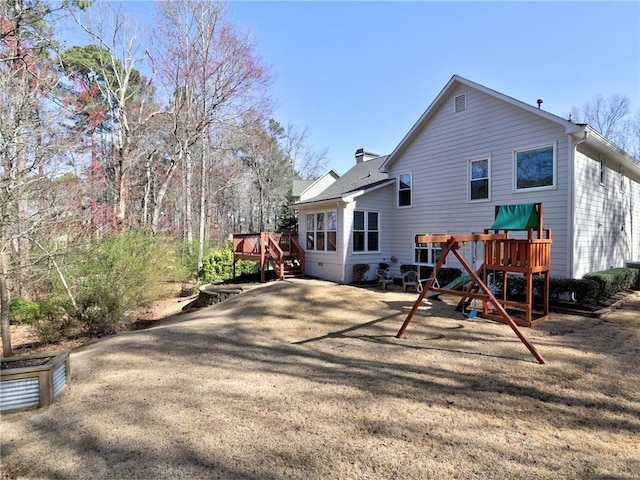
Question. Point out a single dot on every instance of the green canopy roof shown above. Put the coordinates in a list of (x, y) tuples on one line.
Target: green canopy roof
[(516, 217)]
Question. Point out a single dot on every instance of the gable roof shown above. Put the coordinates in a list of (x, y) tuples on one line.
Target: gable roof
[(299, 186), (307, 188), (456, 81), (361, 177)]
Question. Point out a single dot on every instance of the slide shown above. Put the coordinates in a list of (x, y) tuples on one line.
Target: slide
[(455, 285)]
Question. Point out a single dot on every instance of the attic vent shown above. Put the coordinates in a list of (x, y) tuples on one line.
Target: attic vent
[(461, 102)]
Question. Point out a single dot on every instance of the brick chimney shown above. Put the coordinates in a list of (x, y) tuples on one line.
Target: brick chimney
[(363, 155)]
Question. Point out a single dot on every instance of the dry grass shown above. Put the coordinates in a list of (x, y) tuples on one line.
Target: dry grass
[(305, 379)]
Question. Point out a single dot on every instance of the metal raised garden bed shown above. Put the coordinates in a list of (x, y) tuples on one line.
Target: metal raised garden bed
[(32, 381)]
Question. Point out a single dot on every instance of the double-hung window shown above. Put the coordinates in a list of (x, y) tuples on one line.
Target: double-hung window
[(321, 231), (404, 189), (366, 236), (479, 179), (535, 168)]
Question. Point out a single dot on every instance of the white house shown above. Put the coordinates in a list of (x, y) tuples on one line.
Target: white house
[(472, 149)]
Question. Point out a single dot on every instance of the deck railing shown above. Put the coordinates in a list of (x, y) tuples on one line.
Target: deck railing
[(269, 248)]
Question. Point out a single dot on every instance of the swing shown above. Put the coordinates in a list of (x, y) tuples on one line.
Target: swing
[(525, 256)]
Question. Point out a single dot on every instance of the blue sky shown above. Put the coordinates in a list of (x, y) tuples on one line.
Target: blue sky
[(360, 74)]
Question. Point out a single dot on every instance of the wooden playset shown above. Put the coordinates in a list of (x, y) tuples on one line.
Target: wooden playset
[(527, 255)]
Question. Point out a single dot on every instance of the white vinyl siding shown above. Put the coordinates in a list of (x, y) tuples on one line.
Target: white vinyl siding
[(383, 201), (438, 160), (607, 230), (322, 264)]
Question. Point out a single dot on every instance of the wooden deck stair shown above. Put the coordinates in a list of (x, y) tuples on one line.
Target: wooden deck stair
[(281, 251)]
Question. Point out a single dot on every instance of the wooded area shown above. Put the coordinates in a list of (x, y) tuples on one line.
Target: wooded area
[(169, 135)]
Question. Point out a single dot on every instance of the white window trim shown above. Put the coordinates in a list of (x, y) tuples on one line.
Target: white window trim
[(430, 250), (326, 243), (366, 231), (602, 171), (410, 173), (469, 179), (554, 184)]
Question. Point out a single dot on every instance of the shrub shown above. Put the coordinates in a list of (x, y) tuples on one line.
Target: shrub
[(55, 319), (99, 310), (586, 292), (115, 274), (23, 311), (613, 280), (217, 266)]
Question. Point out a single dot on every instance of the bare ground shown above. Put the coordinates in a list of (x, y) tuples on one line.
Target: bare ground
[(305, 379)]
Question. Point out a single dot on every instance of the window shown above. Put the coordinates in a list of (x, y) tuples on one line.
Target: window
[(602, 172), (535, 168), (427, 253), (310, 231), (366, 235), (332, 227), (479, 179), (460, 103), (404, 189), (321, 231)]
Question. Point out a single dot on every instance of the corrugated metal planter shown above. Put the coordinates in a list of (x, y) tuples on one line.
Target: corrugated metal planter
[(32, 381)]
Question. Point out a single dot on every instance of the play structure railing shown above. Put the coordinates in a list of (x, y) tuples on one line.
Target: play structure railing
[(518, 255)]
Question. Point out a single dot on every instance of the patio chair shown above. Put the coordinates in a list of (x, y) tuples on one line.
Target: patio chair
[(384, 278), (410, 279)]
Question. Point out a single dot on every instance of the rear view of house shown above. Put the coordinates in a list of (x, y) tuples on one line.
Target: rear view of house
[(472, 149)]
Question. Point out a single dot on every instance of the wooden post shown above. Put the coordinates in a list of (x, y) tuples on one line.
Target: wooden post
[(425, 289), (453, 245)]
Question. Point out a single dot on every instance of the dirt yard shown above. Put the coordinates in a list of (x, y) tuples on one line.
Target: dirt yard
[(305, 379)]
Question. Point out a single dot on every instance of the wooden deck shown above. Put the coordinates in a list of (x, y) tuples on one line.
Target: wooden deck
[(281, 251)]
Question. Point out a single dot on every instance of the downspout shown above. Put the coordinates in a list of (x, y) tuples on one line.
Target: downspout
[(342, 205), (573, 149)]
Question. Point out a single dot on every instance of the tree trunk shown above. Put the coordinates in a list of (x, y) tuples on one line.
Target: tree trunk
[(188, 214), (162, 191), (4, 289), (121, 190), (203, 204)]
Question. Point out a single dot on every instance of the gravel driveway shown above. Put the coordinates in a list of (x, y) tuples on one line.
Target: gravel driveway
[(304, 379)]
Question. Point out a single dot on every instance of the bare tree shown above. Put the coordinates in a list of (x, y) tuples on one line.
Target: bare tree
[(308, 162), (113, 61), (32, 143), (611, 116), (215, 77)]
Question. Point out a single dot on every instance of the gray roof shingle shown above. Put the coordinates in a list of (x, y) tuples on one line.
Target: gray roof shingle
[(362, 176)]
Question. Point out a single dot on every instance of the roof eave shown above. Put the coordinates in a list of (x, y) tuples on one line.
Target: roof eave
[(602, 143)]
